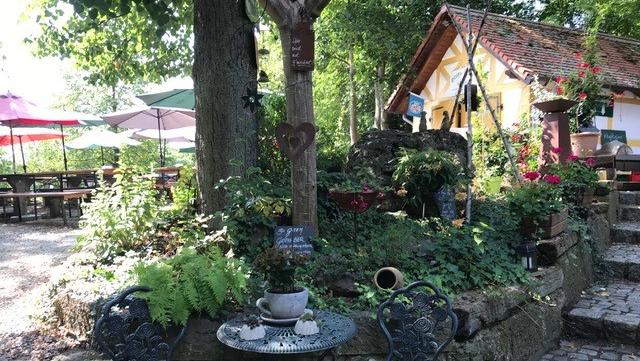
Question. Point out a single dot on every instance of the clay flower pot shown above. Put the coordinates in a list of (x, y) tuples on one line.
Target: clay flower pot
[(584, 144)]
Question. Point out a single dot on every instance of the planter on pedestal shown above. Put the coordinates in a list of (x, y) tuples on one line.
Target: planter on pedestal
[(555, 130), (551, 226)]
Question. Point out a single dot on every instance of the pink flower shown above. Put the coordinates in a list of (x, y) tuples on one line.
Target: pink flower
[(559, 91), (578, 55), (551, 179), (590, 161), (572, 158), (556, 150), (584, 65), (365, 188), (581, 73), (531, 175), (596, 69), (583, 96)]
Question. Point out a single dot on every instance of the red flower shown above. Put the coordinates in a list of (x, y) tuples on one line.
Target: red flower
[(561, 79), (531, 175), (590, 161), (572, 158), (584, 65), (581, 73), (551, 179), (578, 55), (556, 150), (583, 96), (516, 138), (596, 69), (559, 90)]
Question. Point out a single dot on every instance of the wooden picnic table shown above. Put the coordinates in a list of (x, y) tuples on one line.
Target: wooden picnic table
[(59, 196)]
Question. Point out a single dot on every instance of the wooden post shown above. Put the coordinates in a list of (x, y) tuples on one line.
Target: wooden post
[(469, 126)]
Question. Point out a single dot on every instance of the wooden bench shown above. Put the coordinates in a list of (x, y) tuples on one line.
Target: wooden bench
[(63, 196)]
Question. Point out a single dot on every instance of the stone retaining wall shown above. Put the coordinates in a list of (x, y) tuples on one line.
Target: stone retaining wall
[(505, 324)]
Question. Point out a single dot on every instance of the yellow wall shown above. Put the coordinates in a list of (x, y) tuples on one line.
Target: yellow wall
[(439, 93)]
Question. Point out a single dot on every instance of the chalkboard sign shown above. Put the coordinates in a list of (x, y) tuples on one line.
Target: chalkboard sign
[(294, 238), (302, 47), (607, 136)]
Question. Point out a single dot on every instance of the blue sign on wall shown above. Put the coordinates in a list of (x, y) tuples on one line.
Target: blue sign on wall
[(416, 105)]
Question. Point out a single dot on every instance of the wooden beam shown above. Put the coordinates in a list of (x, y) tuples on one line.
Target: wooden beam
[(315, 7), (278, 10)]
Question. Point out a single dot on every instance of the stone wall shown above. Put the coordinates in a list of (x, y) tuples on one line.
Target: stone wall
[(513, 323)]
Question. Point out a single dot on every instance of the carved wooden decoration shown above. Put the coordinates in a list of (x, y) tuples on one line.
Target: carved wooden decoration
[(293, 141), (302, 47)]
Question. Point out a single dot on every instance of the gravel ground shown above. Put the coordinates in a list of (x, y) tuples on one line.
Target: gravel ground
[(29, 252)]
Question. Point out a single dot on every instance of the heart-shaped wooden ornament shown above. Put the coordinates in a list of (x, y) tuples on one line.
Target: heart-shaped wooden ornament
[(293, 141)]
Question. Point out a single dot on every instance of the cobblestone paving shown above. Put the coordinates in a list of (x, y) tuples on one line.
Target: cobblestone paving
[(623, 261), (580, 350)]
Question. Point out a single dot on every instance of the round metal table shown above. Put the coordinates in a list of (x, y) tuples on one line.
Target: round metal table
[(335, 330)]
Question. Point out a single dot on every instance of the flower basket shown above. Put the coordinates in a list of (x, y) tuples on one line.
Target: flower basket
[(357, 202), (551, 226)]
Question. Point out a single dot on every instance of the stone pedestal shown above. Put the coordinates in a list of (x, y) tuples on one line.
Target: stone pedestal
[(555, 130)]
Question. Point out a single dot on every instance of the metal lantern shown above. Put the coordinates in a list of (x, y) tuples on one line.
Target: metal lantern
[(528, 255)]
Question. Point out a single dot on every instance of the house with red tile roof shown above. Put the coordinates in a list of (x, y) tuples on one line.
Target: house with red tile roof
[(514, 56)]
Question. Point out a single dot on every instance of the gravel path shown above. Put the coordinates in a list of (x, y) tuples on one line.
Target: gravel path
[(29, 252)]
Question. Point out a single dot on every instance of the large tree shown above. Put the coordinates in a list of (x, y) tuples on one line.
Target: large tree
[(130, 40)]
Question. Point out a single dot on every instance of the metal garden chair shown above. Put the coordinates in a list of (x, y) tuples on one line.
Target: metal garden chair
[(418, 322), (125, 332)]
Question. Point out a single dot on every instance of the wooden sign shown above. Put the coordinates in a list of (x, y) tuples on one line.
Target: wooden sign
[(607, 136), (293, 141), (302, 47), (294, 238)]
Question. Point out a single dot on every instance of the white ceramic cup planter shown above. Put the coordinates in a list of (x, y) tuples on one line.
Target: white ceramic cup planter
[(283, 305)]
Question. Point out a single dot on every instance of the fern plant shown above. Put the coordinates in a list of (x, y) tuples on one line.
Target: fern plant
[(191, 282)]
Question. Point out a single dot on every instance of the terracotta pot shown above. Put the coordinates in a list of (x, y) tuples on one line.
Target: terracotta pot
[(551, 226), (345, 200), (388, 278), (584, 144)]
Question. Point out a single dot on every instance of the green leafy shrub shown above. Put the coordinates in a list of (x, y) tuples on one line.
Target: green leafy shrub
[(275, 165), (255, 206), (122, 216), (191, 282), (536, 198), (423, 173)]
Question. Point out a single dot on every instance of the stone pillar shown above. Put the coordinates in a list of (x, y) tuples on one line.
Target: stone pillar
[(555, 130)]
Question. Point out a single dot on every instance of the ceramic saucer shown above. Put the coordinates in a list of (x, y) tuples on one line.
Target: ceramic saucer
[(278, 321)]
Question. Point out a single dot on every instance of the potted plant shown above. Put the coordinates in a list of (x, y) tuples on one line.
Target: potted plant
[(283, 299), (429, 174), (358, 192), (579, 180), (583, 85), (537, 202), (252, 329), (306, 325)]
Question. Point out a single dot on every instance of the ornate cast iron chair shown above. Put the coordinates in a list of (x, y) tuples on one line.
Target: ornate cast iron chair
[(125, 332), (418, 325)]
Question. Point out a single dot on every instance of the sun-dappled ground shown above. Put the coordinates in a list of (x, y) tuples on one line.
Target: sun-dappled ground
[(29, 255)]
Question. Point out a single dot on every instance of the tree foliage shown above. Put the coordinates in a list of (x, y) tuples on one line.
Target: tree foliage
[(117, 40)]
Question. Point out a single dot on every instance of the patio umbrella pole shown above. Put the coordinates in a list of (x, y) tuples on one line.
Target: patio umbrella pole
[(160, 138), (64, 150), (24, 164), (13, 152)]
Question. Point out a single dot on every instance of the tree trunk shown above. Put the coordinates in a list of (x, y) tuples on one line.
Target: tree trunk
[(299, 94), (380, 116), (224, 67), (353, 116)]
